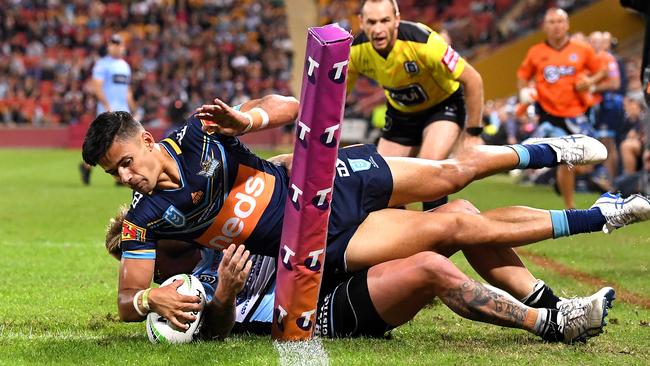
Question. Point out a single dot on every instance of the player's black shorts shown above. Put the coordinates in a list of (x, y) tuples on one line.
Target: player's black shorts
[(406, 128), (348, 311), (363, 183), (344, 311)]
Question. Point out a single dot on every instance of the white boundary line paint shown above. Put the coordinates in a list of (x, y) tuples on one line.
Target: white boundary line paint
[(299, 353)]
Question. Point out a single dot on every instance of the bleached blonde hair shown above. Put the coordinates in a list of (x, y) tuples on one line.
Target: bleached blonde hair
[(114, 232)]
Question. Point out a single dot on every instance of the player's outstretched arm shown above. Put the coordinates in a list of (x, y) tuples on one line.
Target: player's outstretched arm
[(232, 273), (258, 114)]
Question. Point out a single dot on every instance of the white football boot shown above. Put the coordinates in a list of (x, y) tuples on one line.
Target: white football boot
[(619, 211), (573, 149), (607, 293), (580, 319)]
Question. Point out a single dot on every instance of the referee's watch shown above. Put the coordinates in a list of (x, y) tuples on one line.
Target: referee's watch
[(474, 131)]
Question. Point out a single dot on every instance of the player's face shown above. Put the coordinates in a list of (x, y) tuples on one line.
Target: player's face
[(133, 162), (556, 25), (380, 24)]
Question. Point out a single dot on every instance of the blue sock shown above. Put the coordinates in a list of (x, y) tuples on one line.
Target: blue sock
[(535, 156), (570, 222)]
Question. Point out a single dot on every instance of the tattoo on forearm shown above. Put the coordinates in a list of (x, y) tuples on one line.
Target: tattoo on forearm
[(477, 302)]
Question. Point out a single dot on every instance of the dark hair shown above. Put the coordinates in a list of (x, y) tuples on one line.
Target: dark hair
[(393, 2), (106, 128)]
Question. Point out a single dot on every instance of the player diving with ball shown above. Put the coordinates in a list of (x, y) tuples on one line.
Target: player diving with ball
[(188, 185)]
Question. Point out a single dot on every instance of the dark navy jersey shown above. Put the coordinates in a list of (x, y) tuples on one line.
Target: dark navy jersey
[(227, 195)]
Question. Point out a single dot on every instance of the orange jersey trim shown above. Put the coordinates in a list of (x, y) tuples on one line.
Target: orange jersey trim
[(242, 210)]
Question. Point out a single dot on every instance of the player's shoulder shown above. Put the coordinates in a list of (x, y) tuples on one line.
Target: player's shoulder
[(143, 209), (187, 135), (413, 32), (540, 48), (123, 63), (101, 62)]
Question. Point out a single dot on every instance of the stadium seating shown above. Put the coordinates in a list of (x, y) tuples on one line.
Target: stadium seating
[(190, 51)]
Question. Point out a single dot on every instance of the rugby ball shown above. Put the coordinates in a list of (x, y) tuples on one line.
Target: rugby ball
[(160, 330)]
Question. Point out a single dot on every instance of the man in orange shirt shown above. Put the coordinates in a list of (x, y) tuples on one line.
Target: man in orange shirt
[(563, 72)]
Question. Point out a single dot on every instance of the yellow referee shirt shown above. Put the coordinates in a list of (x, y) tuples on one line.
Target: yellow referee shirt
[(420, 71)]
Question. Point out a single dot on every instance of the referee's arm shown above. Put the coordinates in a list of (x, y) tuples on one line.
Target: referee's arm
[(473, 88)]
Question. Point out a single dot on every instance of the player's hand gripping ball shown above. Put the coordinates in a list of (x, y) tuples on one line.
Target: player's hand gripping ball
[(160, 330)]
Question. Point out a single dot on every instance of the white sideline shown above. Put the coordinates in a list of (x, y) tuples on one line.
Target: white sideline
[(299, 353)]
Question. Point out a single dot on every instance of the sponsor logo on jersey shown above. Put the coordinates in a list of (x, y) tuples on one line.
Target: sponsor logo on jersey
[(242, 210), (174, 217), (120, 79), (131, 231), (408, 96), (573, 57), (359, 165), (411, 67), (196, 197), (553, 73), (450, 59), (208, 167), (322, 327)]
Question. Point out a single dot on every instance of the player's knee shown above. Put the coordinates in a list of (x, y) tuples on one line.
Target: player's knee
[(465, 229), (432, 269), (460, 175)]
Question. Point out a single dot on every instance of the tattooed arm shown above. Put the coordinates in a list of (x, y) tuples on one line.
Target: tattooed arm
[(475, 301)]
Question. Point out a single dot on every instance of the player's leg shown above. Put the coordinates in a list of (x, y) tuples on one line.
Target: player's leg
[(416, 180), (85, 170), (631, 149), (400, 288), (389, 148), (502, 267), (389, 234), (392, 293), (566, 181), (438, 140)]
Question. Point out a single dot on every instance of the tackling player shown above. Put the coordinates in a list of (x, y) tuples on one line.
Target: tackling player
[(210, 189), (430, 89), (563, 72), (240, 293)]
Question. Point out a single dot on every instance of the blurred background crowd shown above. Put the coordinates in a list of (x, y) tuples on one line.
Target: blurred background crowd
[(185, 52), (181, 54)]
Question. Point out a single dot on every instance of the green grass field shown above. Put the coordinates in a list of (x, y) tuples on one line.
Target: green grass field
[(58, 286)]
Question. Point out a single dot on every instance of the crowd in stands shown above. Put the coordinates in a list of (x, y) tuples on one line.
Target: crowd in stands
[(473, 25), (182, 53), (476, 26)]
